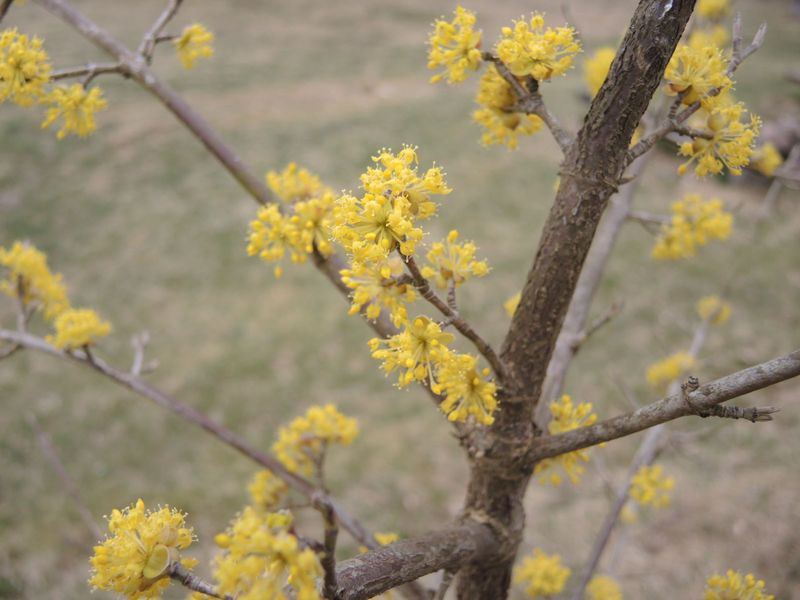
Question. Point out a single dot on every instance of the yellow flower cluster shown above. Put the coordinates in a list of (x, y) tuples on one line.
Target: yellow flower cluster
[(694, 222), (766, 159), (135, 559), (603, 587), (510, 305), (566, 417), (78, 327), (452, 262), (716, 36), (415, 352), (194, 42), (542, 575), (24, 68), (77, 107), (530, 49), (266, 490), (301, 444), (467, 392), (260, 559), (385, 218), (713, 9), (596, 67), (735, 586), (649, 486), (696, 72), (495, 97), (727, 141), (298, 228), (454, 46), (28, 273), (714, 308), (664, 372), (378, 286)]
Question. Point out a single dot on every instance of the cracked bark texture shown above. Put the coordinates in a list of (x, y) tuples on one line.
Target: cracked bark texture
[(592, 167)]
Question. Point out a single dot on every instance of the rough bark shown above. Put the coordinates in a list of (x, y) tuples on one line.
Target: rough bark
[(499, 471)]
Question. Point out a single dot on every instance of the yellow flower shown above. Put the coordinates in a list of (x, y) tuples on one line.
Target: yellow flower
[(714, 308), (378, 286), (266, 490), (595, 69), (135, 559), (714, 36), (295, 184), (466, 391), (454, 262), (542, 574), (728, 142), (602, 587), (495, 97), (664, 372), (510, 305), (78, 327), (76, 106), (695, 72), (713, 9), (649, 487), (416, 351), (193, 43), (454, 46), (384, 539), (301, 443), (24, 68), (261, 558), (26, 263), (734, 586), (766, 159), (566, 417), (385, 217), (530, 49), (694, 222)]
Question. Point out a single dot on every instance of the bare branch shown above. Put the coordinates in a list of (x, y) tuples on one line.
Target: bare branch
[(4, 6), (91, 70), (444, 585), (605, 319), (67, 482), (328, 559), (670, 408), (191, 581), (424, 288), (148, 43)]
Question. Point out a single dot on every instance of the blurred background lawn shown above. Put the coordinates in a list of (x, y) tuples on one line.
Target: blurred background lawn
[(149, 230)]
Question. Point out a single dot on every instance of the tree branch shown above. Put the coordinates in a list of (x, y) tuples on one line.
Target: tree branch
[(670, 408), (148, 43)]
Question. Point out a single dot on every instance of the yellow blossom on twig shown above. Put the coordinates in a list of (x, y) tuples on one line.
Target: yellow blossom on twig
[(735, 586), (501, 125), (595, 69), (295, 184), (261, 559), (713, 9), (194, 42), (649, 486), (530, 49), (603, 587), (380, 286), (24, 68), (266, 490), (38, 284), (766, 159), (717, 36), (467, 391), (76, 106), (453, 262), (454, 46), (78, 327), (135, 559), (302, 443), (694, 222), (566, 417), (664, 372), (696, 72), (714, 308), (542, 575)]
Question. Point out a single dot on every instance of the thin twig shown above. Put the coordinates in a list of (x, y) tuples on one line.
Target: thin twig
[(6, 4), (67, 482), (423, 287), (93, 69), (191, 581), (148, 43), (444, 585), (328, 558), (609, 315)]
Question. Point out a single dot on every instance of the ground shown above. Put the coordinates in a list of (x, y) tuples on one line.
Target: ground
[(149, 230)]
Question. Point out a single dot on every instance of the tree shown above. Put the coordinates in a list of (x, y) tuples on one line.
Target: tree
[(505, 445)]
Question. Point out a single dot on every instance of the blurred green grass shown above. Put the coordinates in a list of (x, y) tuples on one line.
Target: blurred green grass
[(150, 231)]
